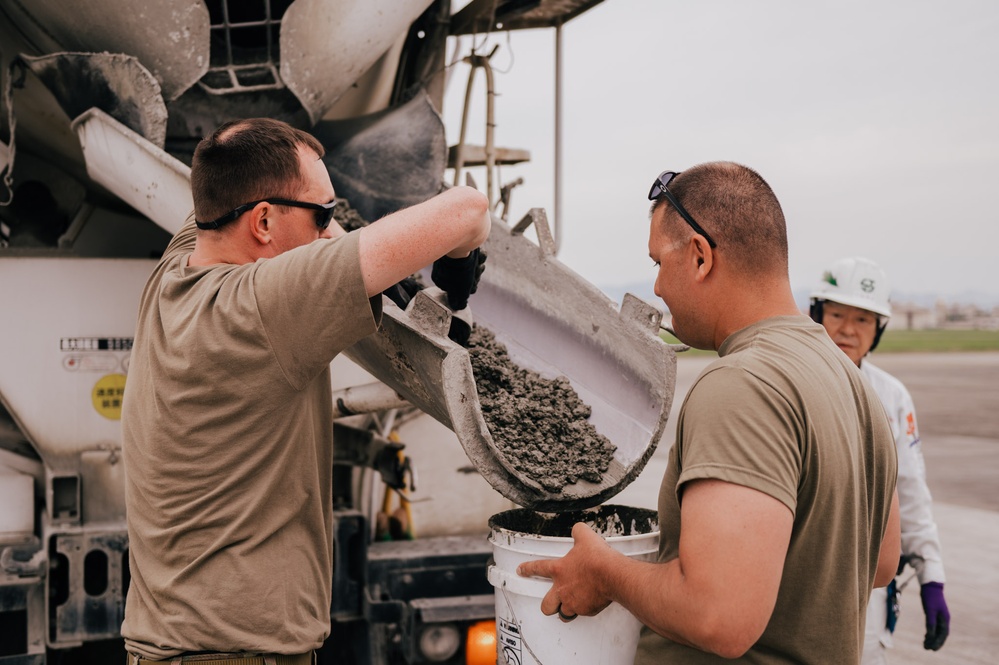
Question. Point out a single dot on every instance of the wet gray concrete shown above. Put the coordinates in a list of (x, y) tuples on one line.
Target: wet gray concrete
[(957, 408), (540, 426)]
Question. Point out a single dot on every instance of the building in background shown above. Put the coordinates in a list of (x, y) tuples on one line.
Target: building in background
[(943, 316)]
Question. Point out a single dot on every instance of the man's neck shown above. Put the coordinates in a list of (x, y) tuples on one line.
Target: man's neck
[(748, 308), (209, 253)]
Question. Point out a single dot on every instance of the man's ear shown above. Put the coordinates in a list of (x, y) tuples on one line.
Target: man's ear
[(704, 256), (260, 222)]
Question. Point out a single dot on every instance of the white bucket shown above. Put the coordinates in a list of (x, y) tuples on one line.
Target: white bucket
[(525, 636)]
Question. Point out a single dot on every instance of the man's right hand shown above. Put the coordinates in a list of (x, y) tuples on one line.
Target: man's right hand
[(459, 278), (461, 326), (454, 222)]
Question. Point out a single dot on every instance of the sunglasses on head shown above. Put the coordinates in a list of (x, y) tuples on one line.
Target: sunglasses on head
[(661, 188), (322, 211)]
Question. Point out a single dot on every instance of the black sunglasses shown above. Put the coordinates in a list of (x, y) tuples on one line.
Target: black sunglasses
[(323, 212), (660, 188)]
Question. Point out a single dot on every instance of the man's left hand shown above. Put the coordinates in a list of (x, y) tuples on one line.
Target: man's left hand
[(937, 615), (574, 587)]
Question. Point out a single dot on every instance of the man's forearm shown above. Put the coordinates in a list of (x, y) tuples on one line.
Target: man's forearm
[(668, 602)]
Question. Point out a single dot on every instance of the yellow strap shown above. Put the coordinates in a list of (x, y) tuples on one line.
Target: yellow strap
[(404, 502)]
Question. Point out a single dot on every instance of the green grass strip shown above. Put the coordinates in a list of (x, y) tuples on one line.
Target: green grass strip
[(912, 341)]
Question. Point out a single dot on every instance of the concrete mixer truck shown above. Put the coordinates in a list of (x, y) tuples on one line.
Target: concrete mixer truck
[(102, 104)]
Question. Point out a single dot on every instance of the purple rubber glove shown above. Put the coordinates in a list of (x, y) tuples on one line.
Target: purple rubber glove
[(937, 615)]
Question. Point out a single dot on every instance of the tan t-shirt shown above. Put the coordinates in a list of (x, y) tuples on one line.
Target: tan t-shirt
[(785, 412), (227, 435)]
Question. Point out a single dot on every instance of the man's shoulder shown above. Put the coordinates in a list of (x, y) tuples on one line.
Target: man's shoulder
[(741, 378), (785, 347), (183, 241), (772, 330)]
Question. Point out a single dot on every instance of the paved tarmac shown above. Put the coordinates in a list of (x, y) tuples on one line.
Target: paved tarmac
[(957, 408)]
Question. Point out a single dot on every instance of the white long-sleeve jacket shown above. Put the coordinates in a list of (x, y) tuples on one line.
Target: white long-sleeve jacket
[(920, 540)]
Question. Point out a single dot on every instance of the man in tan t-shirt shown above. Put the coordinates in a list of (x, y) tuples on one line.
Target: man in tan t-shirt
[(777, 510), (228, 416)]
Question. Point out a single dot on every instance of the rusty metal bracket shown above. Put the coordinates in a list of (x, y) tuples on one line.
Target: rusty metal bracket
[(539, 219)]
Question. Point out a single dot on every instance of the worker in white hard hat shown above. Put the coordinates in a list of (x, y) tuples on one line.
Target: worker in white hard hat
[(852, 304)]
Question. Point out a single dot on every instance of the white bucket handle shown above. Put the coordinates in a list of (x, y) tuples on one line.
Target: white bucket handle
[(534, 587), (501, 580)]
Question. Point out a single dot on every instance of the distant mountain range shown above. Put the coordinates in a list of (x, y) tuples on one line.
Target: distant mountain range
[(977, 298)]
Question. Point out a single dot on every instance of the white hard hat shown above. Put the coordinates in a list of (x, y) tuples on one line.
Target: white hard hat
[(857, 282)]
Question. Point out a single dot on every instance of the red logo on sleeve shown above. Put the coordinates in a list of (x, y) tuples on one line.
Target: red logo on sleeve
[(910, 420)]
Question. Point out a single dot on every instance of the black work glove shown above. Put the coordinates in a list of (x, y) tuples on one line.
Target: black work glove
[(402, 292), (461, 326), (459, 278)]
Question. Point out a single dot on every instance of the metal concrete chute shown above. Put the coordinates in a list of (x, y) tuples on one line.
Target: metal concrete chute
[(115, 83), (556, 323), (326, 46), (169, 37), (45, 93), (553, 322), (143, 175)]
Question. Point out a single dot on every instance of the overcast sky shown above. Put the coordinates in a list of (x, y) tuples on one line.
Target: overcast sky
[(876, 122)]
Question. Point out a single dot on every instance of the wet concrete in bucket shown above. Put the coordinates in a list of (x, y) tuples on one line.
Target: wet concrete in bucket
[(540, 426), (607, 521)]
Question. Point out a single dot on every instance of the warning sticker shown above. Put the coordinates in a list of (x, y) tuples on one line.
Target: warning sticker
[(107, 394), (90, 362), (509, 642), (95, 344)]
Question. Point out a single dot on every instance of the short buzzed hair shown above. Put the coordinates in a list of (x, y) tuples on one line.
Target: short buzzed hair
[(247, 160), (740, 211)]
